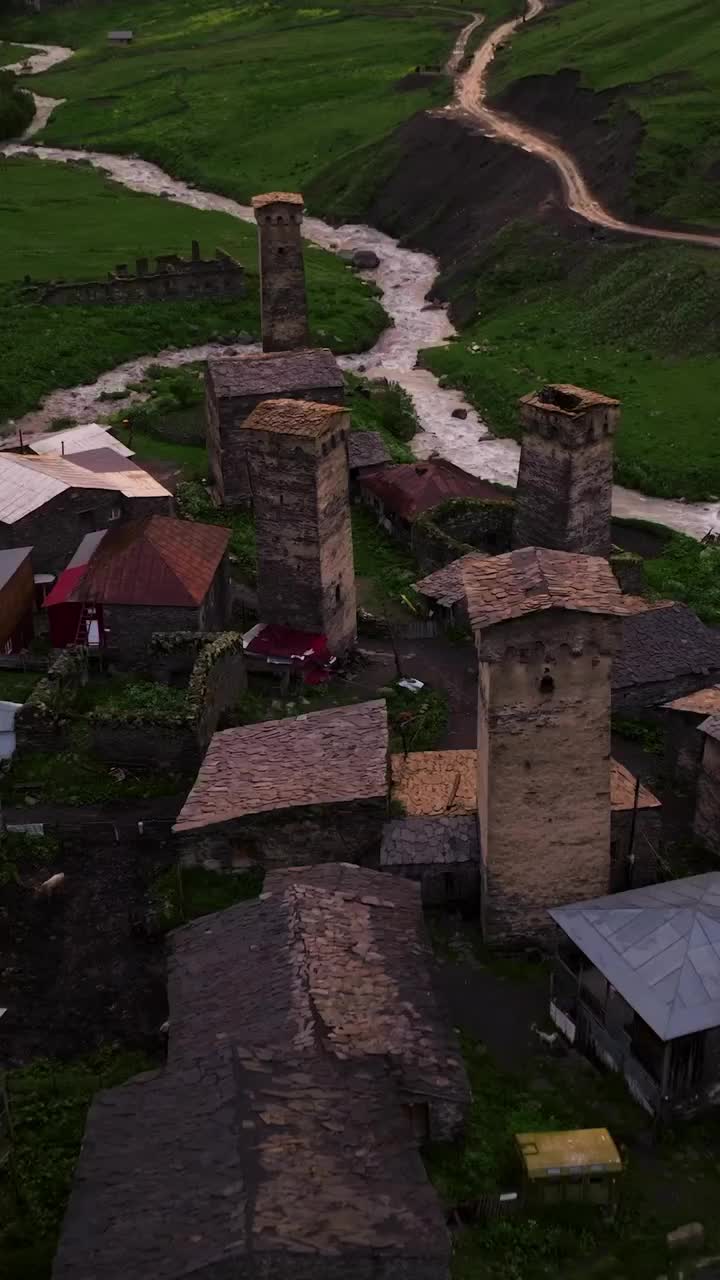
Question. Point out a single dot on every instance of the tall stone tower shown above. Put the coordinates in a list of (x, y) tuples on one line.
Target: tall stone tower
[(279, 217), (546, 626), (564, 489), (297, 457)]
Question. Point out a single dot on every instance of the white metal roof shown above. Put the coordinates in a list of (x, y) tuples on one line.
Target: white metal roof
[(28, 483), (89, 435)]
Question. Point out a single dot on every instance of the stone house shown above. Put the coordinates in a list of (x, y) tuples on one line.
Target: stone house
[(366, 449), (125, 583), (17, 598), (312, 788), (635, 986), (399, 494), (51, 502), (298, 468), (564, 487), (443, 591), (665, 653), (234, 386), (546, 627), (281, 1138), (706, 822), (683, 741)]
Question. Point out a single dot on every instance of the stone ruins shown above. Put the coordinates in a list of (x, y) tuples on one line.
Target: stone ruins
[(169, 278)]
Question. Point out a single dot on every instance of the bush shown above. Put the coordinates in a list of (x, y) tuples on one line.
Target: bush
[(688, 571), (16, 107)]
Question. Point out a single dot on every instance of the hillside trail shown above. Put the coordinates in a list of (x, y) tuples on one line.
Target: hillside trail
[(405, 278)]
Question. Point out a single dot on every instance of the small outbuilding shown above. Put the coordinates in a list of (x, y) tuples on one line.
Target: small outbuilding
[(400, 494), (665, 653), (444, 590), (87, 437), (120, 37), (684, 743), (366, 449), (635, 830), (573, 1166), (636, 984), (706, 822), (17, 597)]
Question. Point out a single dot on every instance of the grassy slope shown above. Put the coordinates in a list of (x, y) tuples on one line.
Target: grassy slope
[(239, 98), (639, 322), (73, 223), (13, 53), (665, 57)]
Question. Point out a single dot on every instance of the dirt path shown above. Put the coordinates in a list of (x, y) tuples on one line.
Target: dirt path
[(470, 103), (405, 278)]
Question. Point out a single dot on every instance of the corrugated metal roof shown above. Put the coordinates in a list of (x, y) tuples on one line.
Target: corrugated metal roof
[(412, 488), (659, 947), (23, 490), (27, 483), (154, 561), (89, 435)]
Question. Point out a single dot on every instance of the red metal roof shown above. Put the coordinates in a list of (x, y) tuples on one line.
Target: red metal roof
[(412, 488), (154, 561)]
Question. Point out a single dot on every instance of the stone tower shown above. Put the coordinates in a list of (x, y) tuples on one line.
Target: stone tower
[(297, 457), (564, 489), (546, 626), (282, 272)]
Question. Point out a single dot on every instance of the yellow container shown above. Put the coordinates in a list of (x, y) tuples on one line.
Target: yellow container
[(580, 1166)]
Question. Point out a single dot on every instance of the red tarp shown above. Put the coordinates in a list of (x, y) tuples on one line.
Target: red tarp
[(304, 648), (65, 585)]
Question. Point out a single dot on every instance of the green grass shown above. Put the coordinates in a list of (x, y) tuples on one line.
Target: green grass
[(240, 98), (664, 57), (49, 1102), (75, 777), (690, 572), (16, 686), (122, 694), (381, 560), (640, 323), (387, 410), (651, 737), (16, 107), (13, 53), (193, 503), (21, 853), (73, 223), (184, 893)]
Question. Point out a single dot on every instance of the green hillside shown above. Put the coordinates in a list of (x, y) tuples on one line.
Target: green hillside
[(663, 56)]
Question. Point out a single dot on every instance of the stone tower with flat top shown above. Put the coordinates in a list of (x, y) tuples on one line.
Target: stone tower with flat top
[(546, 626), (564, 489), (279, 217), (297, 458)]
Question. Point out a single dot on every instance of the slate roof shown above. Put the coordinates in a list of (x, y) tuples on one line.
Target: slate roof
[(10, 562), (366, 449), (75, 440), (704, 702), (563, 397), (277, 197), (534, 578), (659, 947), (411, 488), (622, 790), (711, 727), (326, 757), (435, 782), (274, 373), (28, 483), (447, 585), (430, 842), (296, 418), (153, 561), (663, 644)]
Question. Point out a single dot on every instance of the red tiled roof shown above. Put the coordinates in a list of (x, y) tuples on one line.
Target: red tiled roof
[(411, 488), (154, 561)]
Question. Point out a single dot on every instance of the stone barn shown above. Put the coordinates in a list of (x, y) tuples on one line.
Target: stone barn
[(546, 627), (564, 489), (399, 494), (298, 467), (283, 300), (312, 788), (51, 502), (17, 598), (126, 583), (281, 1138), (234, 386)]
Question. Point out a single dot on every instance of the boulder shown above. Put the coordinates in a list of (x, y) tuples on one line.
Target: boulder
[(360, 259), (689, 1237), (459, 413)]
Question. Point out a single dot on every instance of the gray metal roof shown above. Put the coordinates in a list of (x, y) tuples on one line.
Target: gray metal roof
[(10, 562), (659, 947), (711, 727)]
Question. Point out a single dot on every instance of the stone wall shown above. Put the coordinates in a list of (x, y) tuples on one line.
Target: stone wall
[(458, 527), (348, 832), (455, 884), (629, 569), (130, 628), (683, 748), (44, 722), (282, 276), (544, 768), (173, 279), (706, 823), (306, 576)]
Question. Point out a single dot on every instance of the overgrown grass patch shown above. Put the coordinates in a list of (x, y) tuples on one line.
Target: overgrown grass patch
[(21, 852), (184, 893), (16, 686), (193, 502), (387, 566), (75, 777), (688, 571), (387, 410)]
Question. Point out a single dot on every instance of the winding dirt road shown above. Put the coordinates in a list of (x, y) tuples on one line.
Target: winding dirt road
[(404, 278)]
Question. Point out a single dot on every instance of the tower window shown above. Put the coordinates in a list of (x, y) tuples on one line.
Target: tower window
[(547, 684), (281, 250), (338, 594)]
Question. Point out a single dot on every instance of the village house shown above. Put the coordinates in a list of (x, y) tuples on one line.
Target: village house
[(17, 598), (706, 821), (125, 583), (71, 441), (636, 984), (683, 741), (298, 468), (546, 626), (443, 591), (665, 653), (311, 788), (366, 450), (334, 1034), (401, 493), (234, 386), (51, 502)]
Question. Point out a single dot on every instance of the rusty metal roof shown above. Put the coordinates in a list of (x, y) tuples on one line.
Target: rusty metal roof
[(154, 561), (411, 488)]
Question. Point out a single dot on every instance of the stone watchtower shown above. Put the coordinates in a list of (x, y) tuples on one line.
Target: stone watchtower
[(546, 628), (564, 489), (297, 458), (279, 217)]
